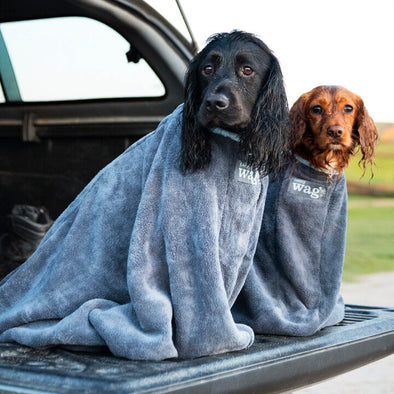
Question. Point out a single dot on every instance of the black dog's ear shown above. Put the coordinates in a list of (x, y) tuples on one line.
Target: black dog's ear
[(196, 149), (265, 143)]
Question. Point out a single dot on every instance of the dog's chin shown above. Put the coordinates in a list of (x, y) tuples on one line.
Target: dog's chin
[(229, 123), (335, 147), (338, 147)]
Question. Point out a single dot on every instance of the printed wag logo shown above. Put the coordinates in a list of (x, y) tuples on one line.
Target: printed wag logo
[(307, 188), (244, 173)]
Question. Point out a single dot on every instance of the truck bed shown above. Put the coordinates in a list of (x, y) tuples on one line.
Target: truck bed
[(273, 364)]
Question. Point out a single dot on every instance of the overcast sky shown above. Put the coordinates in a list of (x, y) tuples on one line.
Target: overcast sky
[(338, 42)]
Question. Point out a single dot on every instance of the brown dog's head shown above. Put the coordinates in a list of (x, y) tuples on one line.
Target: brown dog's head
[(328, 124)]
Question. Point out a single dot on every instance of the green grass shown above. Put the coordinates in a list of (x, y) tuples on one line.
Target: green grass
[(370, 241), (383, 168), (370, 232), (358, 197), (385, 148)]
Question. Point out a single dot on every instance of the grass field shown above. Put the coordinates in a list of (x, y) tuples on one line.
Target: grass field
[(370, 241), (370, 234), (383, 168)]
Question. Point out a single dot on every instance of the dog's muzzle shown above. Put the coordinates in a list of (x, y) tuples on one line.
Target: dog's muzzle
[(217, 102)]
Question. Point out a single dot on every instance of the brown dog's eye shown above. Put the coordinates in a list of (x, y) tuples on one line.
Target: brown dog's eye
[(207, 70), (317, 110), (348, 109), (246, 70)]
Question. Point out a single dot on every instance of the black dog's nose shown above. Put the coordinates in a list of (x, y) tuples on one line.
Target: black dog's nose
[(335, 130), (217, 102)]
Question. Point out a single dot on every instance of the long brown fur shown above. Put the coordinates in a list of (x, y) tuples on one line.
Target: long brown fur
[(328, 124)]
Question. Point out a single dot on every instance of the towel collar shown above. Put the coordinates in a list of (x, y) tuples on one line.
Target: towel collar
[(225, 133), (306, 162)]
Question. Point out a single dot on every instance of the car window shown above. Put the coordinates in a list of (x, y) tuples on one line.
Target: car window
[(74, 58)]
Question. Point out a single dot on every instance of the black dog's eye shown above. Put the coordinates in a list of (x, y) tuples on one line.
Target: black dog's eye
[(246, 70), (317, 110), (348, 108), (207, 70)]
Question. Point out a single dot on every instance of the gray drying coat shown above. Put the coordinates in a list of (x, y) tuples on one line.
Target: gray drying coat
[(293, 286), (146, 261)]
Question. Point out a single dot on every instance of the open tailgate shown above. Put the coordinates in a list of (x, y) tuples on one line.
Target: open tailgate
[(273, 364)]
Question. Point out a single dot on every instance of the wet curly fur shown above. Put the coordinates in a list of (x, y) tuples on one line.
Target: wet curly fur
[(235, 83), (328, 125)]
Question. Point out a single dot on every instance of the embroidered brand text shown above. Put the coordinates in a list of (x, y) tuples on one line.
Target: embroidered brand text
[(307, 189), (244, 173)]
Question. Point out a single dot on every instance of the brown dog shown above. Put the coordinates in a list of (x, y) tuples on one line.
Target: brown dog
[(328, 124)]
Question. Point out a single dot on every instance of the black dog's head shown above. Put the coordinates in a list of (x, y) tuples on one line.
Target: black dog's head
[(235, 83)]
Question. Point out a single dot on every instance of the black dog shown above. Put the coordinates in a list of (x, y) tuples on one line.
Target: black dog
[(235, 83)]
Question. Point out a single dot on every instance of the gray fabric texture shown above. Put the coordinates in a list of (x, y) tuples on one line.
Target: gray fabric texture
[(146, 261), (293, 286)]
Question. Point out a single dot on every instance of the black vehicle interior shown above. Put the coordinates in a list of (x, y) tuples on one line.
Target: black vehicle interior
[(51, 148)]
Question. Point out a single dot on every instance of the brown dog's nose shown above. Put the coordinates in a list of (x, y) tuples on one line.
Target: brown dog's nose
[(217, 102), (335, 130)]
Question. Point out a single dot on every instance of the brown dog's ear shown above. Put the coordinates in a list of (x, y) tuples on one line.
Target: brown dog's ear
[(367, 134), (297, 120)]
